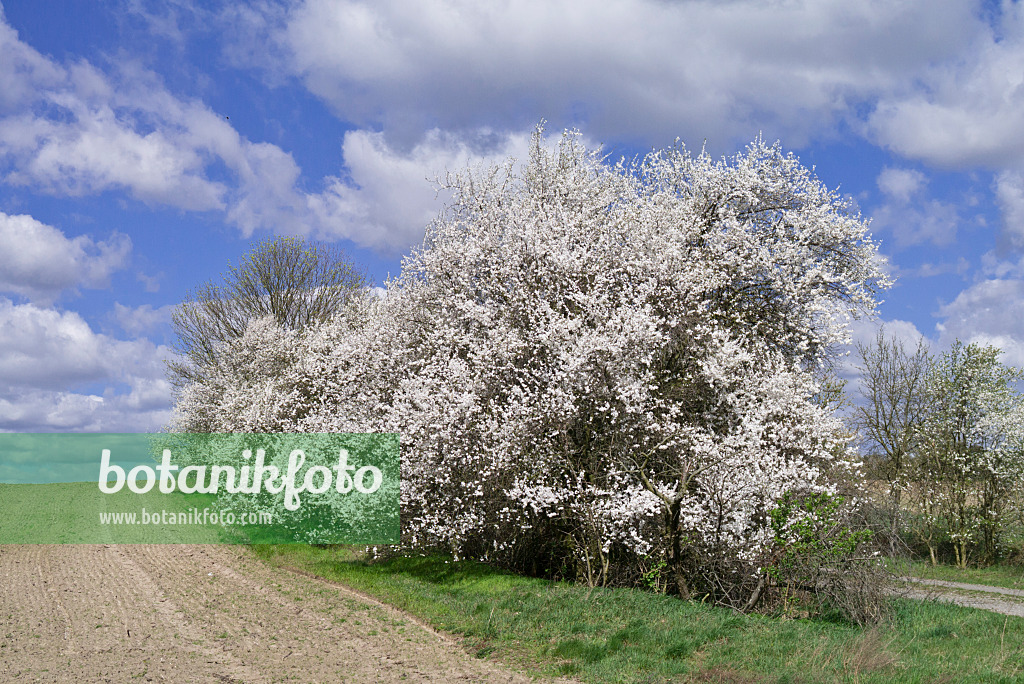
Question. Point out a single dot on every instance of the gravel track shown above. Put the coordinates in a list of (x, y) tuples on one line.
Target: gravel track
[(969, 595), (212, 614)]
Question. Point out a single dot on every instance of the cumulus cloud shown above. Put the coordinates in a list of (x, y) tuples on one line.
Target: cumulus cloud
[(43, 347), (941, 82), (864, 331), (24, 69), (1010, 198), (988, 312), (967, 109), (638, 69), (87, 133), (909, 215), (38, 261), (931, 270), (74, 130), (146, 408), (426, 79), (142, 319), (48, 361), (24, 410), (994, 265), (900, 184), (151, 283), (394, 194)]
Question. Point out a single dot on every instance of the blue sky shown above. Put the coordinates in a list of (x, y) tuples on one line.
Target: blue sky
[(144, 145)]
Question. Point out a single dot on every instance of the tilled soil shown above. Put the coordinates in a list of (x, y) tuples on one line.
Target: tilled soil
[(167, 613)]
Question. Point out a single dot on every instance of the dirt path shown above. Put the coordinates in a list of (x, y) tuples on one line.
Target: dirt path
[(969, 595), (164, 613)]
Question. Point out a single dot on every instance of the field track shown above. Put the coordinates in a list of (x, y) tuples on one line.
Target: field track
[(995, 599), (168, 613)]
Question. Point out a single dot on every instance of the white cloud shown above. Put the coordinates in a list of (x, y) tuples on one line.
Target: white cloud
[(75, 131), (988, 312), (967, 109), (930, 270), (1010, 198), (994, 265), (925, 221), (142, 319), (166, 19), (900, 184), (38, 261), (88, 133), (146, 408), (29, 411), (393, 195), (72, 130), (42, 347), (864, 330), (940, 81), (638, 69), (48, 361), (909, 215), (150, 283), (24, 69)]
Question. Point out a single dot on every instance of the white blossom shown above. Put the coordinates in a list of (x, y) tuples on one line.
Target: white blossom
[(595, 356)]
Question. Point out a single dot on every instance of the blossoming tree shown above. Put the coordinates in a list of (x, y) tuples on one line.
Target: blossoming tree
[(607, 369), (972, 453)]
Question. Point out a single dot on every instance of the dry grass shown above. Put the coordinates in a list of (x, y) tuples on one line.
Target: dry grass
[(869, 653)]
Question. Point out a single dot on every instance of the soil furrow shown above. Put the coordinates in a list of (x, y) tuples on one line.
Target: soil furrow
[(211, 614)]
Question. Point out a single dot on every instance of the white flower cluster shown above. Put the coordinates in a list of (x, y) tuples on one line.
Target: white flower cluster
[(969, 463), (587, 361)]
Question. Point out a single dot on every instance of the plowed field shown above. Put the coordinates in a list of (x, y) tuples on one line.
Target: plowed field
[(172, 613)]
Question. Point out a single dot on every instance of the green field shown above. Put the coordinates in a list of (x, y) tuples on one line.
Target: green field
[(72, 513), (79, 513), (626, 635)]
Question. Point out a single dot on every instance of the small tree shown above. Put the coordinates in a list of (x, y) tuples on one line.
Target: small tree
[(293, 282), (892, 412), (970, 453)]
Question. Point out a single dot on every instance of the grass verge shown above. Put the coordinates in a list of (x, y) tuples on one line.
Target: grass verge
[(624, 635)]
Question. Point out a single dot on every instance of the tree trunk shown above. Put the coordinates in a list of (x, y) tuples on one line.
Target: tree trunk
[(680, 582)]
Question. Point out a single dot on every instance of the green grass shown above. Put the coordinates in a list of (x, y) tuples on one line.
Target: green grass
[(1007, 576), (69, 513), (72, 513), (622, 635)]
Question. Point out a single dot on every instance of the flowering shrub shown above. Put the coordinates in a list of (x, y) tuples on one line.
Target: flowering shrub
[(589, 364), (971, 457), (815, 552)]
